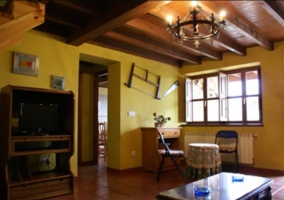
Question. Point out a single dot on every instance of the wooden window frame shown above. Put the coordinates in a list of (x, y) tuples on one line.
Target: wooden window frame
[(222, 95)]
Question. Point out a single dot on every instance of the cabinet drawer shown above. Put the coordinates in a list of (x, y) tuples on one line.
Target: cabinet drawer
[(42, 189), (168, 133)]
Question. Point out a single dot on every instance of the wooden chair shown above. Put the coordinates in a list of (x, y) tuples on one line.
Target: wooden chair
[(102, 139), (167, 153)]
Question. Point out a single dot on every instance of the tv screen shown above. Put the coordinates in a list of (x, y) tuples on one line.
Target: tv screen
[(43, 118)]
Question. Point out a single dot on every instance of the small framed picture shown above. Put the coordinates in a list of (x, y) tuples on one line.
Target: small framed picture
[(57, 82), (25, 64)]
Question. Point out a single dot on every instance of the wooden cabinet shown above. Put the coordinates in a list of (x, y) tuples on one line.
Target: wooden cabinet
[(150, 144), (37, 142)]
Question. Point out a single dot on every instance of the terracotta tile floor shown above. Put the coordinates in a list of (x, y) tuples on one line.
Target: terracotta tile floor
[(95, 183)]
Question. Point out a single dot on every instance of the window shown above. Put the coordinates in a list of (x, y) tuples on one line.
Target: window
[(231, 97)]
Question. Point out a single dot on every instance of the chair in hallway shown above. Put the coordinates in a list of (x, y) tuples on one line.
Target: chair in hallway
[(167, 153), (102, 139), (227, 140)]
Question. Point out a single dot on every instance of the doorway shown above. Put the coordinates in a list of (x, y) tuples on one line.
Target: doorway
[(90, 78)]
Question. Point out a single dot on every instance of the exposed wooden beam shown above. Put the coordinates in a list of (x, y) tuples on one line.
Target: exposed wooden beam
[(12, 41), (274, 10), (237, 23), (21, 8), (111, 43), (152, 45), (114, 18), (4, 18), (223, 40), (160, 33), (21, 24)]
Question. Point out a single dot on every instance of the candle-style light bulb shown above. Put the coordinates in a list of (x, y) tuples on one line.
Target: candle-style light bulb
[(194, 3), (170, 19), (222, 15)]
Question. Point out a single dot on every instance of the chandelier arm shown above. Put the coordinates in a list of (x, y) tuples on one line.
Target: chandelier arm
[(215, 30), (178, 27), (199, 21)]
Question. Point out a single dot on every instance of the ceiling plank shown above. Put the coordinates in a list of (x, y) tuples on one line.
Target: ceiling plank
[(272, 8), (79, 7), (237, 23), (160, 33), (112, 19), (223, 40), (111, 43), (152, 45), (61, 21)]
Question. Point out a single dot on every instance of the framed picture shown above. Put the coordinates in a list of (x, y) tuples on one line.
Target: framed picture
[(25, 64), (57, 82)]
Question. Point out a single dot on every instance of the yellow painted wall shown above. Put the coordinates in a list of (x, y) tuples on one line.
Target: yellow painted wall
[(55, 57), (269, 146)]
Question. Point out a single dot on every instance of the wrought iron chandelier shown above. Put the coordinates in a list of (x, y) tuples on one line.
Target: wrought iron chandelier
[(197, 18)]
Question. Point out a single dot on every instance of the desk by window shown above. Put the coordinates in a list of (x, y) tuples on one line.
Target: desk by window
[(151, 144), (223, 188), (203, 160)]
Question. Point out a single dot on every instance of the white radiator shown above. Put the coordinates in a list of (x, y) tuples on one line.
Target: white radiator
[(245, 145)]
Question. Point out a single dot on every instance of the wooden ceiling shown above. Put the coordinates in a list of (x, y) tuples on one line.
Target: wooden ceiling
[(138, 27)]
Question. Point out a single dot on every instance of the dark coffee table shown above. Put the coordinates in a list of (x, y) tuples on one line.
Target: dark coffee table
[(223, 188)]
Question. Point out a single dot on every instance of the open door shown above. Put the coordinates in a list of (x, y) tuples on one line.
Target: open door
[(91, 77)]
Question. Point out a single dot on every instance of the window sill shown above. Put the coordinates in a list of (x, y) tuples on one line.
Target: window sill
[(222, 124)]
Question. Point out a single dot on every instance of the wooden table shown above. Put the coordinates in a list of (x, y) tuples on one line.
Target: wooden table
[(203, 160), (223, 188)]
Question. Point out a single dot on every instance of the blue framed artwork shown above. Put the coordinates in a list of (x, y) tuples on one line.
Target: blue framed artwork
[(57, 82), (25, 64)]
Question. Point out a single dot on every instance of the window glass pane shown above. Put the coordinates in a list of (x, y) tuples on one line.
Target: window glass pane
[(252, 86), (213, 110), (235, 109), (252, 107), (212, 87), (234, 85), (198, 111), (197, 88)]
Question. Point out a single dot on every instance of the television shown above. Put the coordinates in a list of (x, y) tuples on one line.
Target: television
[(39, 118)]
